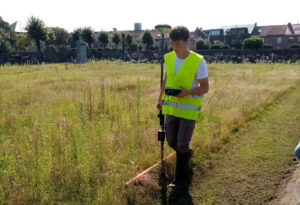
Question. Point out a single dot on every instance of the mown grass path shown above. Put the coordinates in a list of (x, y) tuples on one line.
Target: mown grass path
[(250, 168)]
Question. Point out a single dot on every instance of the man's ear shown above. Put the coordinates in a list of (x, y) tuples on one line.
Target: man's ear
[(188, 41)]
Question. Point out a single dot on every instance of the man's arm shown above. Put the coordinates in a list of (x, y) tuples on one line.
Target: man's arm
[(204, 87)]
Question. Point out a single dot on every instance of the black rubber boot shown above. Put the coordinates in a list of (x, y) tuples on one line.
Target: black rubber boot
[(182, 162), (191, 153)]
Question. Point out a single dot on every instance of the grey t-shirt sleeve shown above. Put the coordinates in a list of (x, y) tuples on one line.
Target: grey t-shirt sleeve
[(201, 70), (165, 70)]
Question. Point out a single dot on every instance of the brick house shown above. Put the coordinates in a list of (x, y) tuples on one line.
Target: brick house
[(279, 36)]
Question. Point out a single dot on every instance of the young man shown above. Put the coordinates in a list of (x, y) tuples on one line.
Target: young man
[(184, 70)]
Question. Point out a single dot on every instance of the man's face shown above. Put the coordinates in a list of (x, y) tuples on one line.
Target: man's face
[(179, 45)]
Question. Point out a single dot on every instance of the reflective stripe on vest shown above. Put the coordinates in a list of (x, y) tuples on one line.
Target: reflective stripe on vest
[(195, 96), (181, 106)]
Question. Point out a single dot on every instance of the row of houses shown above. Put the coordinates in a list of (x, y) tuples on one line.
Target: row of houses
[(278, 36)]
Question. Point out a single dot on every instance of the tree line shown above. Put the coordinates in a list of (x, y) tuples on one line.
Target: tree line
[(38, 33)]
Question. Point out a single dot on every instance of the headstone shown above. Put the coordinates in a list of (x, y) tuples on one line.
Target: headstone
[(50, 54), (81, 52), (62, 54)]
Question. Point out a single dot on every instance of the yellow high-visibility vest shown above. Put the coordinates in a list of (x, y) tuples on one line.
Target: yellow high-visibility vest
[(187, 107)]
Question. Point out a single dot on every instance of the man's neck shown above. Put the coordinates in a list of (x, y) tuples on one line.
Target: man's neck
[(183, 54)]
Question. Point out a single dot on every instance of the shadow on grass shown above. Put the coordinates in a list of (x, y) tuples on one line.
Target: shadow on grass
[(176, 196)]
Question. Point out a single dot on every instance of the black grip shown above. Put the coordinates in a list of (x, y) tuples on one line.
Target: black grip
[(172, 91)]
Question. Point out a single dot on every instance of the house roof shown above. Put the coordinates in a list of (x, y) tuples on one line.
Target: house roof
[(271, 30), (249, 26), (18, 27), (200, 33)]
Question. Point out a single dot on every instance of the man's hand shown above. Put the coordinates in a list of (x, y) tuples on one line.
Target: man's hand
[(159, 105), (162, 90), (184, 92)]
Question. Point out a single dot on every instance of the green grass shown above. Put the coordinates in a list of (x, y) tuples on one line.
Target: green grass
[(75, 134), (249, 169)]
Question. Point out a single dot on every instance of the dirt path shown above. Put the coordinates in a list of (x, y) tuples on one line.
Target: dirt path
[(289, 193)]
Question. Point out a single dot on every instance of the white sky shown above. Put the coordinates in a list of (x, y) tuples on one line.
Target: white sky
[(122, 14)]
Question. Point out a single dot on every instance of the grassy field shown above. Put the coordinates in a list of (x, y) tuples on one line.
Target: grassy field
[(74, 134)]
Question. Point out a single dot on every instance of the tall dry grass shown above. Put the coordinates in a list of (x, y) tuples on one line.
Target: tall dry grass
[(75, 134)]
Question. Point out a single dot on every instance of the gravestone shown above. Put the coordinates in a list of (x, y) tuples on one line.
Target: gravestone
[(50, 54), (81, 52), (62, 54)]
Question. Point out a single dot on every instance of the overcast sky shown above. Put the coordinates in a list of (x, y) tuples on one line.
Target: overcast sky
[(122, 14)]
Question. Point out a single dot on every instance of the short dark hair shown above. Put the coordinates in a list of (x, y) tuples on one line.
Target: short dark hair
[(179, 33)]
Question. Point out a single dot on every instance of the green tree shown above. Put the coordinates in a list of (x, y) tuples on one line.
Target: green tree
[(103, 39), (147, 39), (226, 46), (61, 36), (133, 46), (7, 37), (202, 45), (116, 39), (139, 47), (4, 47), (216, 46), (37, 31), (50, 37), (253, 43), (123, 40), (23, 41), (219, 45), (75, 36), (129, 40), (87, 34)]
